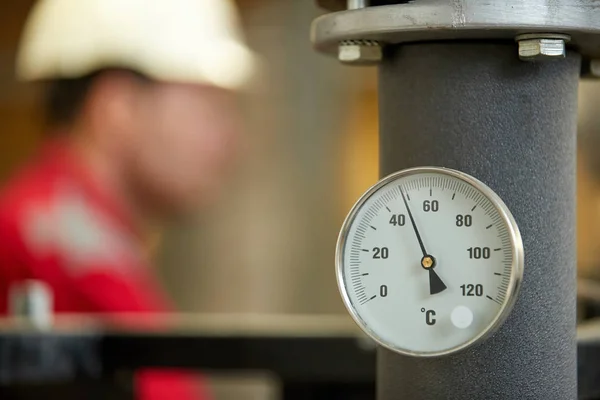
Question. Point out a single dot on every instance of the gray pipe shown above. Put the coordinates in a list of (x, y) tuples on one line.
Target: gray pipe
[(476, 108)]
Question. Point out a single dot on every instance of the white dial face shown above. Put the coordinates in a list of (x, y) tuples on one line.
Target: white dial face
[(429, 261)]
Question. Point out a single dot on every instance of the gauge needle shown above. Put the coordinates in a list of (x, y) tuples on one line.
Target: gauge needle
[(436, 285)]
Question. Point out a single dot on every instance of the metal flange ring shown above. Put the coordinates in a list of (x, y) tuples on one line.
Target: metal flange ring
[(433, 20)]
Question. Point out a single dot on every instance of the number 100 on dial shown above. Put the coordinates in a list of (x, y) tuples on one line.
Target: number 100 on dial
[(429, 261)]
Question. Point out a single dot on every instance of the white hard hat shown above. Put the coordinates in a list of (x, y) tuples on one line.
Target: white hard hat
[(193, 41)]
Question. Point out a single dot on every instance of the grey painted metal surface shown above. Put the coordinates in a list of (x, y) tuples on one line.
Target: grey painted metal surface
[(478, 109), (427, 20)]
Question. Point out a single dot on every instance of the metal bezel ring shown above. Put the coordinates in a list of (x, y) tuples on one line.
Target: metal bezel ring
[(517, 266)]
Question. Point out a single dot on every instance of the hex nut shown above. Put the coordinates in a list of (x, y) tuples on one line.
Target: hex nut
[(360, 52), (540, 47)]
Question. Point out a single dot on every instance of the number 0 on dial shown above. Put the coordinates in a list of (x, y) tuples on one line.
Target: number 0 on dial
[(429, 261)]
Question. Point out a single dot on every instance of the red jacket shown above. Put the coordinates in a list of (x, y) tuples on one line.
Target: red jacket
[(58, 226)]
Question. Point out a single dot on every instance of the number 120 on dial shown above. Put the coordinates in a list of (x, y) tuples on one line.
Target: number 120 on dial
[(429, 261)]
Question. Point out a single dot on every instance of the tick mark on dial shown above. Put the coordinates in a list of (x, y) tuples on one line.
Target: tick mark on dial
[(474, 207), (365, 301), (365, 274), (494, 300), (373, 227), (430, 192), (489, 226), (365, 250), (387, 208), (453, 196), (496, 273), (498, 249)]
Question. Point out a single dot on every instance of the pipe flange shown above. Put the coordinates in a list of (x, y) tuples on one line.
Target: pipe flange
[(434, 20)]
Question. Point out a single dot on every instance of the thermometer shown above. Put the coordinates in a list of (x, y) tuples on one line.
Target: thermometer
[(429, 261)]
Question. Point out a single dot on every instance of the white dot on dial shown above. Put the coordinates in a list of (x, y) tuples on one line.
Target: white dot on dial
[(461, 317)]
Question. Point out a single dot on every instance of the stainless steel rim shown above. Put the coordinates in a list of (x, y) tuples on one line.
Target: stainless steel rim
[(517, 266), (427, 20)]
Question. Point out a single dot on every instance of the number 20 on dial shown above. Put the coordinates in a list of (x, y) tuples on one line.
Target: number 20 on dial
[(429, 261)]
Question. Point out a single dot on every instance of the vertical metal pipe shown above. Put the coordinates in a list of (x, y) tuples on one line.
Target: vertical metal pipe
[(476, 108), (356, 4)]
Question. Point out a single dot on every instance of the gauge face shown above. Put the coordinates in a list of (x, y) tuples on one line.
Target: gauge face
[(429, 261)]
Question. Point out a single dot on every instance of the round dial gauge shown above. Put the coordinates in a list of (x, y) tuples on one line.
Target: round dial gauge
[(429, 261)]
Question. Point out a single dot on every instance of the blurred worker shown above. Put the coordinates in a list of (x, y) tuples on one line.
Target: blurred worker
[(142, 124)]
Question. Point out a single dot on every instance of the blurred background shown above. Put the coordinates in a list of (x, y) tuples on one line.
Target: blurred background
[(268, 247), (310, 151)]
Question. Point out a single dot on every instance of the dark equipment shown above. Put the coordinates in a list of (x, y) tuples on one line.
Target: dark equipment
[(101, 365)]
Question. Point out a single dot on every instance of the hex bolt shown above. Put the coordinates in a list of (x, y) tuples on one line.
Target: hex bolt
[(360, 52), (542, 46)]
